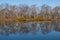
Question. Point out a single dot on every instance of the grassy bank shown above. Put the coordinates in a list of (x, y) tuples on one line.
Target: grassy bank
[(27, 20)]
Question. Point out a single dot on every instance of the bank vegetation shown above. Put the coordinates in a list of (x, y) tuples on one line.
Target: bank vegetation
[(29, 13)]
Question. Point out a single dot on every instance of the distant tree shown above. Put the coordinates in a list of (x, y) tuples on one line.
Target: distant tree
[(56, 12), (13, 12), (45, 12), (1, 12), (23, 10), (34, 11)]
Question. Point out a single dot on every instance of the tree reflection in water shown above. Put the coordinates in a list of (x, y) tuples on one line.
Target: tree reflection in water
[(45, 27), (28, 27), (33, 27), (57, 26)]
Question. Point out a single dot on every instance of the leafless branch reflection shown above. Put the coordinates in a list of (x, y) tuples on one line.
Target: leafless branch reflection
[(29, 27)]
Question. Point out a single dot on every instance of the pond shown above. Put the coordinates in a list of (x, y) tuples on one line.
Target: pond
[(46, 30)]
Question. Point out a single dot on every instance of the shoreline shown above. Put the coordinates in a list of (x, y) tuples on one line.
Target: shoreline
[(29, 20)]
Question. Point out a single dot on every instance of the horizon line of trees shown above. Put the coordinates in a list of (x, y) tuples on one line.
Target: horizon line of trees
[(44, 12)]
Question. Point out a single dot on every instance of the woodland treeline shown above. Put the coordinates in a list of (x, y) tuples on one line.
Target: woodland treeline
[(29, 13)]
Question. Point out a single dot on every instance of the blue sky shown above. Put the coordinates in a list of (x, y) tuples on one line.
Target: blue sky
[(51, 3)]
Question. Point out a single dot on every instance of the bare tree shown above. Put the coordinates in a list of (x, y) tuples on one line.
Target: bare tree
[(23, 10), (45, 12), (56, 12), (34, 11)]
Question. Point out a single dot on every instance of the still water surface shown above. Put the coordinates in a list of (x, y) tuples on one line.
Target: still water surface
[(30, 31)]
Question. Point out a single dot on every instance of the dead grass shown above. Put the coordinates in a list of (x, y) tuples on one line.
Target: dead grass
[(27, 20)]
